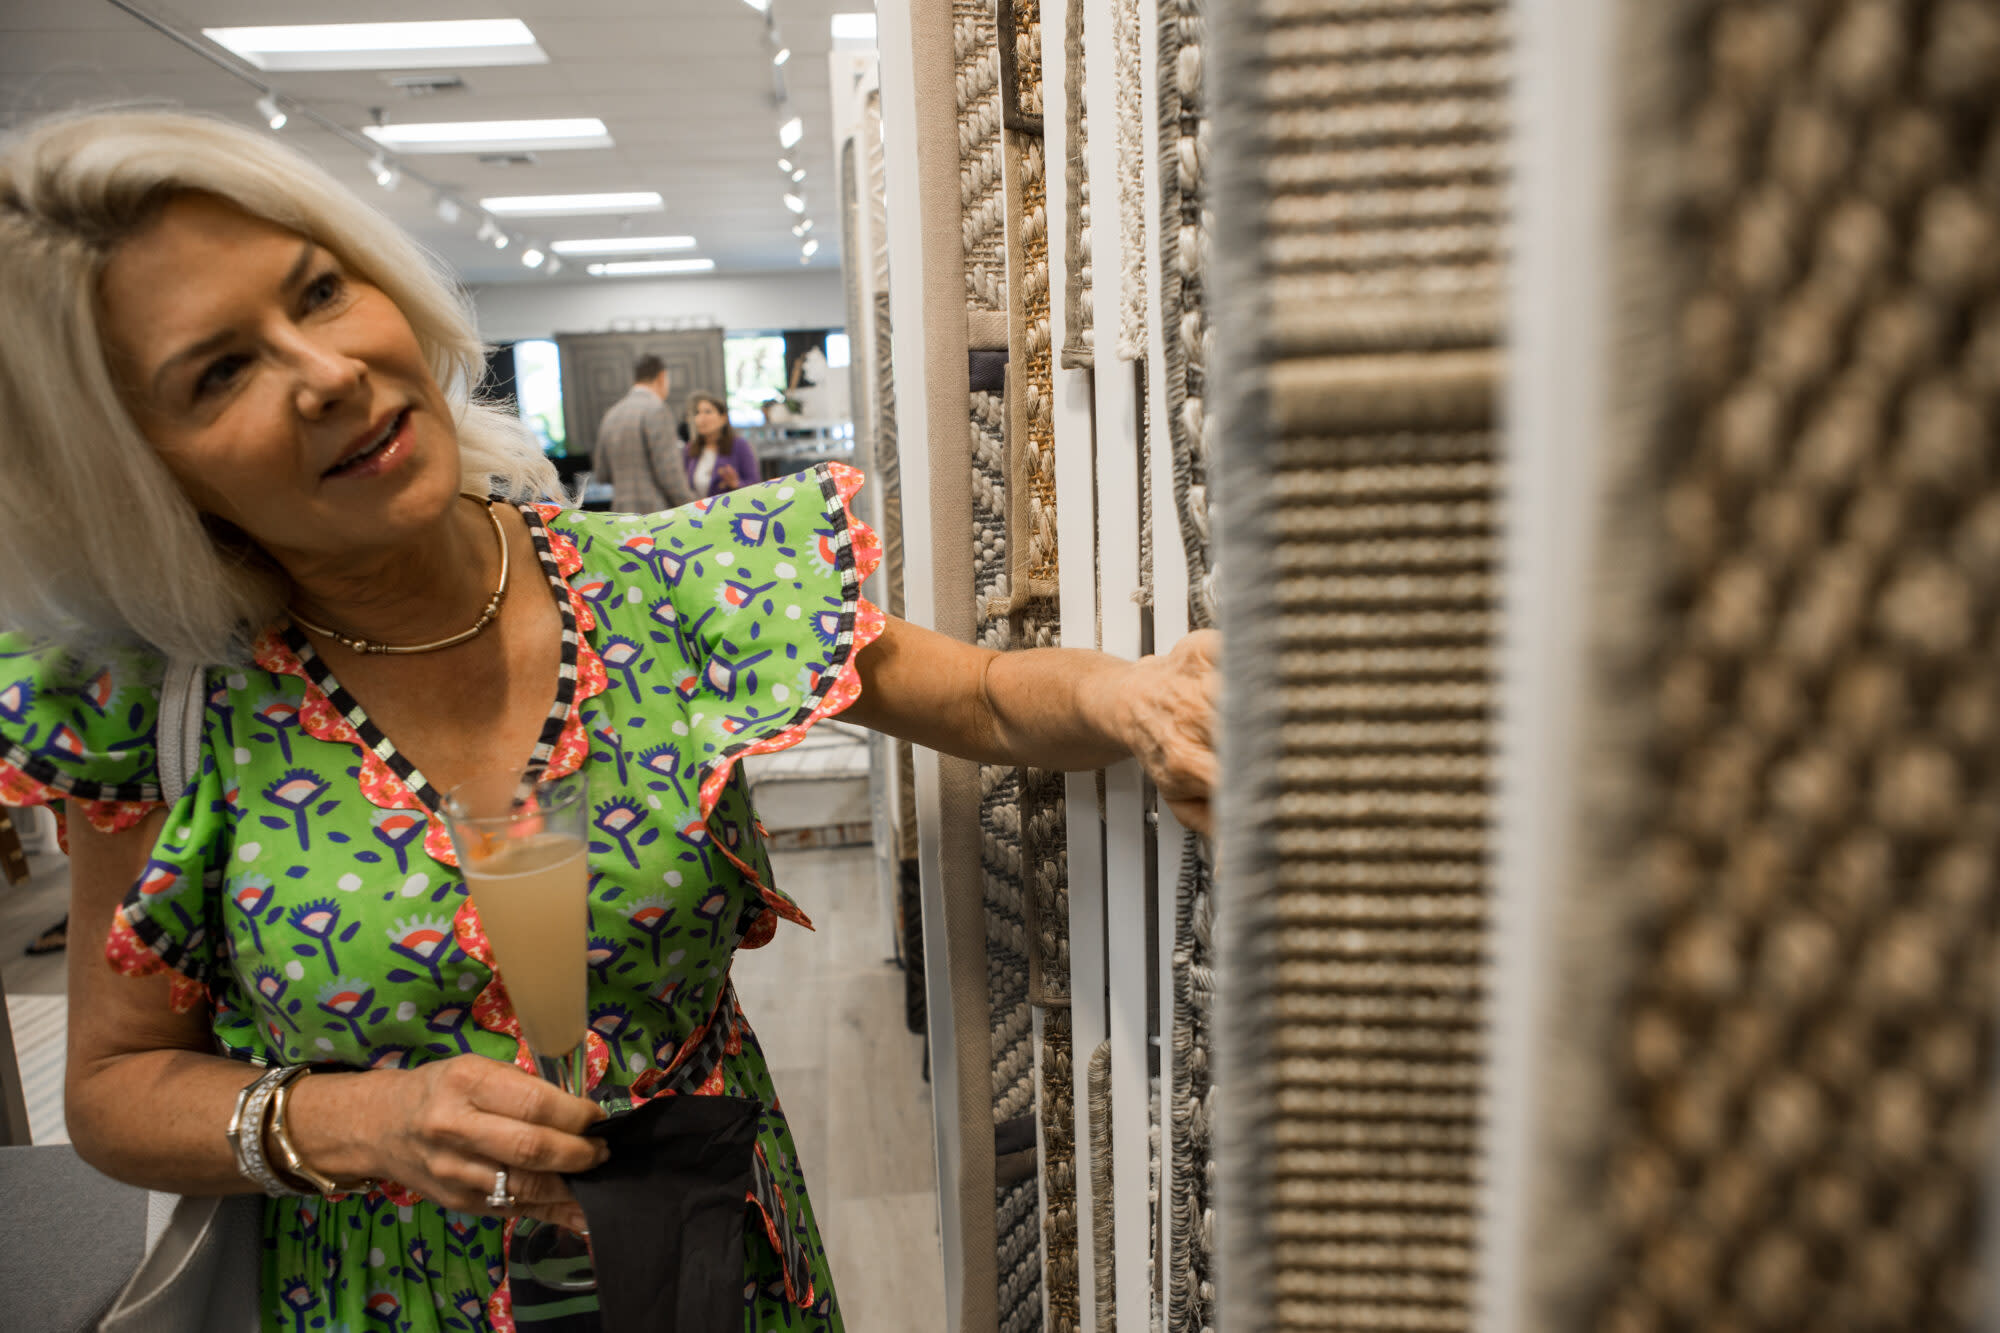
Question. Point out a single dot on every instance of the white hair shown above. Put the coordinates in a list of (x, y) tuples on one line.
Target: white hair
[(101, 543)]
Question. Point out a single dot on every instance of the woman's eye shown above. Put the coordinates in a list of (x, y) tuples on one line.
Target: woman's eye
[(322, 290), (218, 374)]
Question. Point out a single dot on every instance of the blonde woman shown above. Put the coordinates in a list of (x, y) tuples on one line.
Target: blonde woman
[(236, 403)]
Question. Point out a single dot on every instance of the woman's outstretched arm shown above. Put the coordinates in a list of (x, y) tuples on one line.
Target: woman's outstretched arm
[(1057, 708)]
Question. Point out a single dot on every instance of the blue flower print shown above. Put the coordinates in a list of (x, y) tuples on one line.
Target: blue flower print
[(295, 791), (252, 895), (734, 594), (426, 941), (664, 761), (726, 674), (449, 1020), (16, 698), (397, 830), (653, 915), (606, 735), (621, 818), (271, 985), (672, 566), (628, 659), (384, 1309), (599, 956), (347, 1000), (318, 920), (609, 1022), (281, 718)]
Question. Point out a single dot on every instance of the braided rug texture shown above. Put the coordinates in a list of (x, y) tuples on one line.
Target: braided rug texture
[(1367, 146), (1028, 496), (1130, 128), (1079, 335), (1189, 1285), (1801, 1106), (982, 153)]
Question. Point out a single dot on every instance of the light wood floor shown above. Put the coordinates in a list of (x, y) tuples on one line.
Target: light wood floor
[(828, 1006)]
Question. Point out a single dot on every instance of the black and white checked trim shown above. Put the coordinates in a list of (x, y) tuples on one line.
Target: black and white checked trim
[(372, 736), (48, 775)]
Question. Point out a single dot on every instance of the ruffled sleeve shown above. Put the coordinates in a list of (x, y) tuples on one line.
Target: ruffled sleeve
[(766, 592), (81, 732), (171, 919)]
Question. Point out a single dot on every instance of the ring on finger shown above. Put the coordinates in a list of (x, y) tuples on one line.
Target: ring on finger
[(500, 1198)]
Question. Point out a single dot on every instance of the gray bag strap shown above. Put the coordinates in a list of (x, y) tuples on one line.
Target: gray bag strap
[(178, 738)]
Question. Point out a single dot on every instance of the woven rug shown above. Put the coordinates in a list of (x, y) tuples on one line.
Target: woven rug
[(1184, 328), (1359, 548), (1078, 352), (1794, 874), (983, 153)]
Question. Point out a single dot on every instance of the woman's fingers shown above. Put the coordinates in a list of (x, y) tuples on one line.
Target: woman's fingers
[(523, 1145)]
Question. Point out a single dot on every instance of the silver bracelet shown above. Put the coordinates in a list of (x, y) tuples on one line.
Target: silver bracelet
[(246, 1130)]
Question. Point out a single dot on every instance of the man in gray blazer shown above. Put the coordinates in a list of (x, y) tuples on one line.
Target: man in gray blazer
[(637, 449)]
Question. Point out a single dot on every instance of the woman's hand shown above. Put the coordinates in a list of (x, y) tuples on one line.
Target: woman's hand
[(1166, 709), (726, 477), (449, 1125)]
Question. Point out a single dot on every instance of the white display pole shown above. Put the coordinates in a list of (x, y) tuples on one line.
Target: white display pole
[(1125, 831), (906, 317), (1563, 107)]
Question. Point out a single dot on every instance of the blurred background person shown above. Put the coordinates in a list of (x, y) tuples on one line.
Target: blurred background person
[(718, 459), (638, 452)]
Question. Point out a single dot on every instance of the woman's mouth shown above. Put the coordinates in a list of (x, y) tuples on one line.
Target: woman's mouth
[(378, 455)]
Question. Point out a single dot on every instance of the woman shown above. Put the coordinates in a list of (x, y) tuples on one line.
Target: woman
[(238, 403), (718, 459)]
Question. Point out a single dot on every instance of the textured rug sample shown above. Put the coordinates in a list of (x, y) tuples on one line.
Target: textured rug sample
[(1785, 900), (1078, 348), (1358, 269)]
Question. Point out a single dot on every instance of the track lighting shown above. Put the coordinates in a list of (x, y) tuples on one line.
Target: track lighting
[(784, 54), (798, 175), (809, 249), (791, 132), (273, 114), (796, 204), (386, 175), (447, 209), (532, 258), (785, 165)]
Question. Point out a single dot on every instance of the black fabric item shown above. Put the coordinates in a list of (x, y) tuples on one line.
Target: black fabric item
[(987, 368), (666, 1213)]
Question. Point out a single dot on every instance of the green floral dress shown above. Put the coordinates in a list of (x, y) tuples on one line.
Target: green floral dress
[(304, 888)]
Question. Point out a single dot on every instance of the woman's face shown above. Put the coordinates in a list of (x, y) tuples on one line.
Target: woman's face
[(708, 422), (284, 394)]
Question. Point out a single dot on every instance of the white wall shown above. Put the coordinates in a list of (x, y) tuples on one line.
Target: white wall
[(809, 299)]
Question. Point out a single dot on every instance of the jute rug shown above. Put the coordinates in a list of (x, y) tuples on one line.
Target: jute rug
[(1362, 149), (1787, 905)]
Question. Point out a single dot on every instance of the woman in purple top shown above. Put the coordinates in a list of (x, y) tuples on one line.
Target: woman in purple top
[(718, 459)]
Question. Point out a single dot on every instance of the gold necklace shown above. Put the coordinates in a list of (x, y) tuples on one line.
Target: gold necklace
[(360, 645)]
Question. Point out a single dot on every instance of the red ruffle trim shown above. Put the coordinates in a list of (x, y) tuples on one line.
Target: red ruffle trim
[(869, 623), (18, 789)]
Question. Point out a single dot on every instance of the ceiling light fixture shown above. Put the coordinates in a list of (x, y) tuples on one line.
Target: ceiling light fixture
[(854, 27), (798, 175), (553, 267), (805, 226), (791, 132), (532, 258), (799, 229), (761, 6), (785, 165), (500, 240), (623, 245), (447, 209), (632, 268), (809, 249), (419, 45), (385, 175), (273, 114), (796, 204), (492, 136), (565, 205), (784, 54)]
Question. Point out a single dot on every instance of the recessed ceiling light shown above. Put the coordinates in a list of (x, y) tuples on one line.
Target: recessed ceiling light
[(421, 45), (796, 204), (854, 27), (623, 245), (630, 268), (555, 205), (491, 136), (791, 132)]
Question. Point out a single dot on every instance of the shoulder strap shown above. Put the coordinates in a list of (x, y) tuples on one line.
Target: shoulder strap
[(178, 739)]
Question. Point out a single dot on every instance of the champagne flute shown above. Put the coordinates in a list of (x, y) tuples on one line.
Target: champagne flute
[(521, 841)]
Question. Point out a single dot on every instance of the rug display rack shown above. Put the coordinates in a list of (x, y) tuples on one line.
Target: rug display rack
[(1074, 471)]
